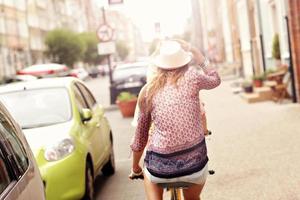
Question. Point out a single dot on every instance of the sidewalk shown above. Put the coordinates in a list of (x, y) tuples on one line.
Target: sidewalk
[(254, 148)]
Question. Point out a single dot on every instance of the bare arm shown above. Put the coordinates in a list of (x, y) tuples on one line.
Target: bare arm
[(135, 161), (141, 135)]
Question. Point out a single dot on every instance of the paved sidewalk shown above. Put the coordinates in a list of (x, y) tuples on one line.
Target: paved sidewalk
[(254, 148), (254, 151)]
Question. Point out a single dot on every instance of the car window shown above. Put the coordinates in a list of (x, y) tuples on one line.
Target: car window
[(80, 101), (5, 180), (13, 158), (34, 108), (8, 133), (87, 94)]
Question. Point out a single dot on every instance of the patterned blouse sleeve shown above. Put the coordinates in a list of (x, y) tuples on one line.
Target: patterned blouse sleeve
[(140, 138), (209, 80)]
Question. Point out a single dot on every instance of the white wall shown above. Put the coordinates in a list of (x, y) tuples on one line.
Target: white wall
[(243, 23), (227, 32), (283, 35)]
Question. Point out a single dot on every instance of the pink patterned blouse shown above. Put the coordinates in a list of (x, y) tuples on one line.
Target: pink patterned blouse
[(177, 145)]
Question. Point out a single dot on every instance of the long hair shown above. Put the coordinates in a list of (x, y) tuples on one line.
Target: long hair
[(158, 82)]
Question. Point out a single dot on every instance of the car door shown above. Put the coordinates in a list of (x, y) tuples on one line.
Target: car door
[(91, 128), (19, 175), (100, 119)]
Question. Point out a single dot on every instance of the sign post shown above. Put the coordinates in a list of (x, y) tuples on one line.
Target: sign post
[(106, 46), (115, 2)]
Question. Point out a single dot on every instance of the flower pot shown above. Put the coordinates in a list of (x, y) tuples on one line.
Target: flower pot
[(248, 89), (257, 83), (127, 108)]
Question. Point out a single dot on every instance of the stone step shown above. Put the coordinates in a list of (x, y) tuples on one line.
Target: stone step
[(264, 92), (250, 97)]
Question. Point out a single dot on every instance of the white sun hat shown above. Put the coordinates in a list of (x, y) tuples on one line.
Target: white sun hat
[(170, 55)]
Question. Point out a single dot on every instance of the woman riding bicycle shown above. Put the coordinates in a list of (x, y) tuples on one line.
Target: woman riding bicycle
[(176, 150)]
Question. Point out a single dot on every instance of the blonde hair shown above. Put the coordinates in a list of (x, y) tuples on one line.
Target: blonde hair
[(158, 82)]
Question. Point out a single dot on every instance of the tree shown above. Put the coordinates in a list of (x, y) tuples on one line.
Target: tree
[(122, 49), (90, 54), (276, 47), (64, 47)]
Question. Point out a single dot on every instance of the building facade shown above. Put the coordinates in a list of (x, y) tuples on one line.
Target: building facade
[(294, 24), (244, 31), (24, 25)]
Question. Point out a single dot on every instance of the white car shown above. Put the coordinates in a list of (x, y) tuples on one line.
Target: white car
[(45, 70), (20, 177), (79, 73)]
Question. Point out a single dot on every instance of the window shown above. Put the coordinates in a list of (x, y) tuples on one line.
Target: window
[(4, 175), (2, 25), (21, 4), (11, 27), (87, 94), (52, 105), (14, 145), (80, 101), (9, 3), (13, 158), (23, 28)]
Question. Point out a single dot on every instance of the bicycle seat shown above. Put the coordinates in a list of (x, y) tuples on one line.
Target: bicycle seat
[(176, 185)]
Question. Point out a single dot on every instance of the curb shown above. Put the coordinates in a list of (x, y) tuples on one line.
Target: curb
[(110, 108)]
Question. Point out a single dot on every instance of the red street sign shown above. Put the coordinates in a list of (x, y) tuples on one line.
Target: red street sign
[(105, 33), (115, 1)]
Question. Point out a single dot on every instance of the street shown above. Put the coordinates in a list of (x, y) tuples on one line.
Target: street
[(253, 149)]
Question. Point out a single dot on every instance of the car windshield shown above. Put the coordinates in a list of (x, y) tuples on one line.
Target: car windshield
[(38, 107), (125, 72)]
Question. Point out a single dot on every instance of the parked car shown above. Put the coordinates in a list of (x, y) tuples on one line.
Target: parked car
[(67, 130), (18, 78), (80, 73), (45, 70), (93, 72), (20, 177), (129, 77), (103, 69)]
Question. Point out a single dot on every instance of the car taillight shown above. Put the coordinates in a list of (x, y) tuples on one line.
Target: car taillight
[(50, 72), (73, 75)]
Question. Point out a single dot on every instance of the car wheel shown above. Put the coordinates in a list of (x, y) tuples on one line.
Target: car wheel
[(89, 182), (109, 167)]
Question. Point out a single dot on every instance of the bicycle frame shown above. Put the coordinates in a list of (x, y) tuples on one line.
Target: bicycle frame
[(175, 188)]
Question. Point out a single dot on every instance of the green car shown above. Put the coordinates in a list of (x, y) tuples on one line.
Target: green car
[(67, 131)]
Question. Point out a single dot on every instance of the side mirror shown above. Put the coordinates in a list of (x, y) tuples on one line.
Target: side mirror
[(86, 114)]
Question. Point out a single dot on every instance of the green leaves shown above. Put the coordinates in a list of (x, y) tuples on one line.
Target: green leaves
[(67, 47), (276, 47), (64, 46), (126, 96), (122, 49), (90, 54)]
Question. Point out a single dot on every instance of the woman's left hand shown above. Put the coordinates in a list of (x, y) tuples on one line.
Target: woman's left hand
[(136, 173), (137, 169)]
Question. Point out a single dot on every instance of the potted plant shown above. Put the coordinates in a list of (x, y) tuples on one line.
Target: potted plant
[(276, 50), (247, 87), (258, 80), (126, 102)]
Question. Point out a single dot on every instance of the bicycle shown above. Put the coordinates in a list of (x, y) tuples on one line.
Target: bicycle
[(175, 188)]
